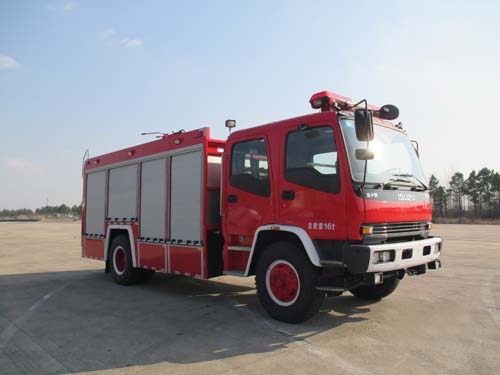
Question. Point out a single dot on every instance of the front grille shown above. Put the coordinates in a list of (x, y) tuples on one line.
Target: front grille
[(388, 232), (400, 229)]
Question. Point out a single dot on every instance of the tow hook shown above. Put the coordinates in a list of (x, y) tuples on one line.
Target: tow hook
[(434, 265), (418, 270)]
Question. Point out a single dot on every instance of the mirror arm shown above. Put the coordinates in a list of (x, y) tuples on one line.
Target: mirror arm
[(358, 103), (366, 167)]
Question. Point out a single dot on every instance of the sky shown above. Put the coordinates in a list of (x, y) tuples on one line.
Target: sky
[(77, 75)]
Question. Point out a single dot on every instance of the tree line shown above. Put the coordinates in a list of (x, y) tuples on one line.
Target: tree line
[(477, 196), (47, 211)]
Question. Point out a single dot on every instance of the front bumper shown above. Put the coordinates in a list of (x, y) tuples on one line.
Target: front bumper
[(360, 259)]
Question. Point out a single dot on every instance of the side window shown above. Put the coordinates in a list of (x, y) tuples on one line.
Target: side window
[(311, 159), (249, 167)]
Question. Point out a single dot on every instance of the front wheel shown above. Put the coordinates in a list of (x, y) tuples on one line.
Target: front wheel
[(286, 283), (378, 291)]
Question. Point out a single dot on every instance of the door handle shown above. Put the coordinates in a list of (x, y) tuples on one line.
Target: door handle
[(288, 195), (232, 198)]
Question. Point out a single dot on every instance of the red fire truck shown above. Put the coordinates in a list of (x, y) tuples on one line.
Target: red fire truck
[(312, 206)]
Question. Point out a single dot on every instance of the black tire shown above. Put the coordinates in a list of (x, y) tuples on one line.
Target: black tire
[(378, 291), (145, 275), (120, 262), (284, 267)]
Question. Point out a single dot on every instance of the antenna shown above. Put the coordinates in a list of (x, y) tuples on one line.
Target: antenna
[(159, 134)]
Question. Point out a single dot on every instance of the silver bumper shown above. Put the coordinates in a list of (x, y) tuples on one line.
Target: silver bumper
[(361, 258)]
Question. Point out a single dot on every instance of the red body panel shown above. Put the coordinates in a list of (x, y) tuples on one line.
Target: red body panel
[(153, 256), (93, 248), (186, 260), (382, 212), (236, 260)]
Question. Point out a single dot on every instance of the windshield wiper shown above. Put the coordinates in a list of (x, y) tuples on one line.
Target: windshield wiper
[(390, 183), (422, 186)]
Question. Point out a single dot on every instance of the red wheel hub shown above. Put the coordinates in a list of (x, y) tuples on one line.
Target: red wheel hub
[(284, 282), (119, 260)]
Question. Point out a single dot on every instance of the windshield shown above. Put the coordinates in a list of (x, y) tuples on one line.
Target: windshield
[(394, 157)]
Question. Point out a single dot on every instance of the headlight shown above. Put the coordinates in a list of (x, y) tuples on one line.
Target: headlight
[(383, 256)]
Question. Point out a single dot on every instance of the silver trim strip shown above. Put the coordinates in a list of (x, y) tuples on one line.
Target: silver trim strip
[(239, 248), (299, 232)]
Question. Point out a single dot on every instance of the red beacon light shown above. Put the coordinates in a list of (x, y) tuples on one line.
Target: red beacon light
[(325, 100)]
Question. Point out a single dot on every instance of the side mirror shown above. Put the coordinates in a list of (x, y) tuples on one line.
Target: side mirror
[(363, 122), (364, 154), (230, 124)]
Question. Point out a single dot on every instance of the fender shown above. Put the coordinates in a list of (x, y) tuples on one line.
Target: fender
[(128, 228), (299, 232)]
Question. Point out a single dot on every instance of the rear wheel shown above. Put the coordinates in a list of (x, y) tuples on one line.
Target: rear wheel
[(286, 283), (378, 291), (121, 265)]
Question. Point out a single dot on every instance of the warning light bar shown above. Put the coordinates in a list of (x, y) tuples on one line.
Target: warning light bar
[(326, 100)]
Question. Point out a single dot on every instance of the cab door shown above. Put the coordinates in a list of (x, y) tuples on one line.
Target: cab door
[(248, 195), (311, 190)]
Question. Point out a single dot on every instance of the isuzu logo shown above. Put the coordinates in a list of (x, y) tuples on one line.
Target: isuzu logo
[(406, 197)]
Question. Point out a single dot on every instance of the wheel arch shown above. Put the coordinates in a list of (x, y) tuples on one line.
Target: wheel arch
[(116, 230), (268, 234)]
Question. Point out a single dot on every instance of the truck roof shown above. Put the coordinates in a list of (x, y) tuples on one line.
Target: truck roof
[(305, 119), (167, 142)]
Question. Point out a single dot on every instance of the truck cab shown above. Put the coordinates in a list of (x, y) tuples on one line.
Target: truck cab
[(313, 196)]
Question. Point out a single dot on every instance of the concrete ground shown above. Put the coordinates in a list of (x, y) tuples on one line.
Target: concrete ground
[(60, 313)]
